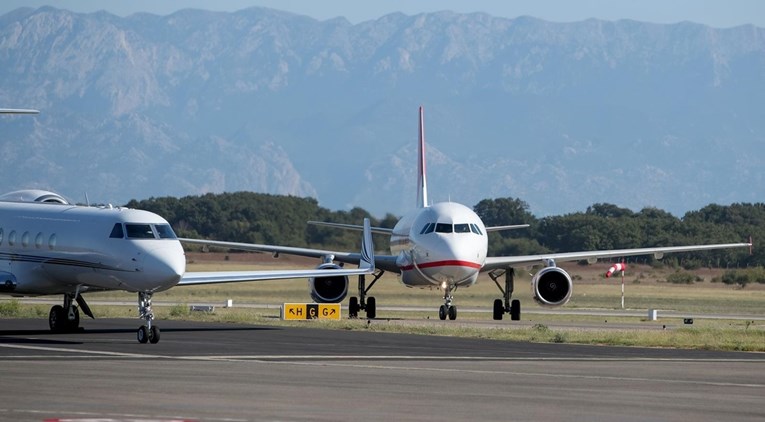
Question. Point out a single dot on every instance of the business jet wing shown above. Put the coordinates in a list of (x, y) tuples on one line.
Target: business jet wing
[(530, 260), (365, 260)]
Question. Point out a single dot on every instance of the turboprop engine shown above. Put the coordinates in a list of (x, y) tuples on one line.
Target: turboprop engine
[(551, 286), (328, 289)]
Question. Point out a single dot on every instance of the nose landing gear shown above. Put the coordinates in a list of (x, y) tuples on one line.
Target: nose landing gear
[(146, 333), (447, 309)]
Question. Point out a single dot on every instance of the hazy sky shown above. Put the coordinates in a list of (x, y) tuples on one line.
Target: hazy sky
[(717, 13)]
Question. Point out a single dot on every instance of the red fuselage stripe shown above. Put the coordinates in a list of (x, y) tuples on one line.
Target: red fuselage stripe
[(451, 263)]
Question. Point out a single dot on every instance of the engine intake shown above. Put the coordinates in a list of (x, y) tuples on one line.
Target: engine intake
[(552, 286), (328, 289)]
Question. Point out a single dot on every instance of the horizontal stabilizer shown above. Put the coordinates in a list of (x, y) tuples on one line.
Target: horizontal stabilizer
[(376, 230), (501, 228)]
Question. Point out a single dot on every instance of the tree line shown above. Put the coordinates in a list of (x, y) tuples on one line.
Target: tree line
[(281, 220)]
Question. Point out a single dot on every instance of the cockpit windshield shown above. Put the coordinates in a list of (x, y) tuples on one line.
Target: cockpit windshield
[(142, 231), (451, 228), (165, 231)]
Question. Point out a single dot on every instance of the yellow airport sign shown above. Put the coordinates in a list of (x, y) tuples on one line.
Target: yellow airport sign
[(301, 311)]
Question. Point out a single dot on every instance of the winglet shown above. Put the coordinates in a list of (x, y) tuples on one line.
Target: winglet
[(367, 259), (422, 184)]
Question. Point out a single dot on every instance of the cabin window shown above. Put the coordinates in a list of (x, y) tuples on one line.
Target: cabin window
[(38, 240), (165, 231), (52, 241), (12, 238), (461, 228), (1, 236), (25, 239), (443, 228), (139, 231), (117, 232)]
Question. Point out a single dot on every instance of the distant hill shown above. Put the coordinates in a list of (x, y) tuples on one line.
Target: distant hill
[(561, 115)]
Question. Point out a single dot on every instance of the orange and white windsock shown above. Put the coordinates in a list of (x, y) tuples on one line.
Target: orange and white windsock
[(615, 268)]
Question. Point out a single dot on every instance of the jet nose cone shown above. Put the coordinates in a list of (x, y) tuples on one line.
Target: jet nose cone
[(165, 265)]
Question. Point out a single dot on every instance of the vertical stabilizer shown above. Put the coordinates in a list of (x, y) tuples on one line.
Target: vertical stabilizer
[(422, 184)]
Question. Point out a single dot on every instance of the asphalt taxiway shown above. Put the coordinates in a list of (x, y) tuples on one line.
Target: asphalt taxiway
[(227, 372)]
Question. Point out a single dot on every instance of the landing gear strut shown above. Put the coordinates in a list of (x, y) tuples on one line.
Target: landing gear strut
[(65, 319), (362, 302), (447, 309), (502, 306), (146, 333)]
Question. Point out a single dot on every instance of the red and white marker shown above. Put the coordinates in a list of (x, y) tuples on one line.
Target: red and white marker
[(615, 268)]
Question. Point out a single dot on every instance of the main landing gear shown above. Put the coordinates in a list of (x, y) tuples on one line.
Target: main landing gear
[(66, 319), (146, 333), (447, 309), (502, 306), (368, 304)]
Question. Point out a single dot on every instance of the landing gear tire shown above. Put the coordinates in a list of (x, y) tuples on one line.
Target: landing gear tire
[(515, 310), (57, 320), (154, 334), (353, 307), (452, 313), (442, 313), (499, 309), (143, 334), (371, 308)]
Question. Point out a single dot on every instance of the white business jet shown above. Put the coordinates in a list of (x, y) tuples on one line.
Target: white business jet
[(49, 246), (444, 245)]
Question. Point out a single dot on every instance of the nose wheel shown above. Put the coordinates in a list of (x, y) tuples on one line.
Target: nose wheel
[(448, 309), (147, 333)]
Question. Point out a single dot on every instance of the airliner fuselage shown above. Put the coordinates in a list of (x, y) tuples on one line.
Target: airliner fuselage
[(444, 244)]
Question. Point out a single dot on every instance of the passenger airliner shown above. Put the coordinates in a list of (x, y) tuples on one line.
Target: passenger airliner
[(444, 245)]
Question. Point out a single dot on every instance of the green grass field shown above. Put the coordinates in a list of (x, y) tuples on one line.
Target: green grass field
[(644, 289)]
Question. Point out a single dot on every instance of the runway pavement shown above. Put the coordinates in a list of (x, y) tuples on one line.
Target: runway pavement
[(226, 372)]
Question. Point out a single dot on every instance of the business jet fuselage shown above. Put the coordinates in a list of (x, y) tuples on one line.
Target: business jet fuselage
[(48, 248)]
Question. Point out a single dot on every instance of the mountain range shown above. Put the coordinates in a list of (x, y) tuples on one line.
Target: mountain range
[(560, 115)]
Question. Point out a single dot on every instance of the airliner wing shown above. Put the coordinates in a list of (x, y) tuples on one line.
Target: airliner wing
[(530, 260), (365, 260)]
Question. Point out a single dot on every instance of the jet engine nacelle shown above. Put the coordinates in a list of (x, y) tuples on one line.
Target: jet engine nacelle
[(551, 286), (328, 289), (34, 195)]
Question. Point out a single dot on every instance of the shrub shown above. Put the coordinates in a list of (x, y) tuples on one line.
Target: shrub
[(12, 308), (680, 277)]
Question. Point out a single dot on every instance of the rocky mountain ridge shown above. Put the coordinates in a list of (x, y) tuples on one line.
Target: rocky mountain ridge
[(561, 115)]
